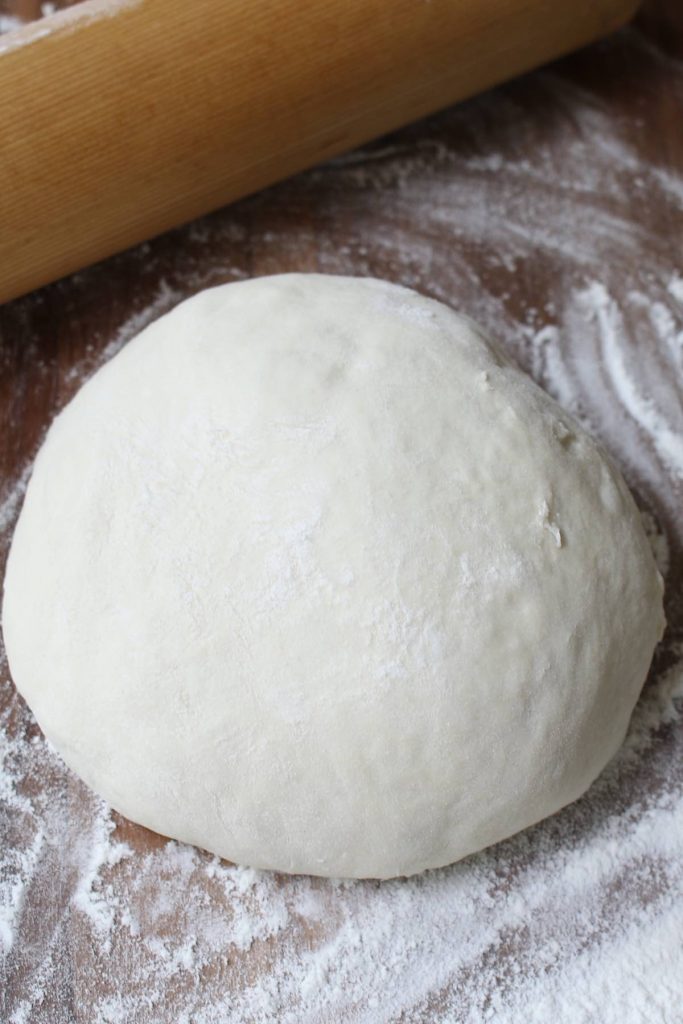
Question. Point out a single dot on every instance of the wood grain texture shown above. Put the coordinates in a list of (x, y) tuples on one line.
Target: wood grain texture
[(114, 141), (400, 209)]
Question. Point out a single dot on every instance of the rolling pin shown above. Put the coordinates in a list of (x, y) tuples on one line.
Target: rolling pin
[(123, 119)]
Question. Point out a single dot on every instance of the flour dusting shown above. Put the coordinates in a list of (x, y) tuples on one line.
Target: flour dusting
[(578, 919), (599, 308), (8, 23), (69, 19)]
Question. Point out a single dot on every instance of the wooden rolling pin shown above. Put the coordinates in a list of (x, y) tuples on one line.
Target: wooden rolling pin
[(123, 119)]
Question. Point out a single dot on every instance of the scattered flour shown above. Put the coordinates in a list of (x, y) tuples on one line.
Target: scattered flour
[(8, 22), (578, 919), (70, 19), (600, 308)]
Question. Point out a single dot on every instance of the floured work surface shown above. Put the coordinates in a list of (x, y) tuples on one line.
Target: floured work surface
[(551, 210)]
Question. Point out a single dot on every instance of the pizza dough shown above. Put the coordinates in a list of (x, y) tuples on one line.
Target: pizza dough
[(312, 576)]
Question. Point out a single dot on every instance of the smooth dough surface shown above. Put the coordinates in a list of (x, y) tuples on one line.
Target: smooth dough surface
[(311, 576)]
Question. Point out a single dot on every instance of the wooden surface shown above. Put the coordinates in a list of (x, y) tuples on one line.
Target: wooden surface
[(552, 210), (113, 143)]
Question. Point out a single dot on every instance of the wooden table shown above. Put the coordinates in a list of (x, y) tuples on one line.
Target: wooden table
[(550, 209)]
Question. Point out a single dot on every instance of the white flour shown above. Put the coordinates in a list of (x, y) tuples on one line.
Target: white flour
[(8, 22), (576, 920), (70, 19)]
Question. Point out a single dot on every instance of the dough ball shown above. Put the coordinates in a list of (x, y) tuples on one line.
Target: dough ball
[(312, 576)]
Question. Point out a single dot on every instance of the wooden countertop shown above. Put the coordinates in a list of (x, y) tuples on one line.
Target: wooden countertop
[(551, 209)]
